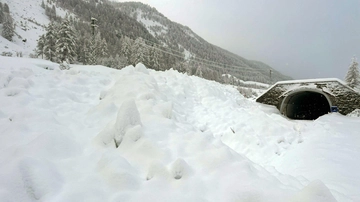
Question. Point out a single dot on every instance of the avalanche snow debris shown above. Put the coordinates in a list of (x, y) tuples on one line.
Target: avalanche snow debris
[(173, 139)]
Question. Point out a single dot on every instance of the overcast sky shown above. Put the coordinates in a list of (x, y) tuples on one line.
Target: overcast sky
[(300, 38)]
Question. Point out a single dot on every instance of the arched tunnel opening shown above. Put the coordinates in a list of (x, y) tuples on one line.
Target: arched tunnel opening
[(306, 105)]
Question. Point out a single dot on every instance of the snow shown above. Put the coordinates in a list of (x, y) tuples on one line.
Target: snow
[(190, 33), (263, 85), (355, 113), (311, 81), (151, 25), (187, 54), (30, 21), (309, 84), (97, 134), (314, 81)]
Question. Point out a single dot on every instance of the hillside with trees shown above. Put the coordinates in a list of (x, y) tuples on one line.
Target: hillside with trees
[(178, 37), (121, 34)]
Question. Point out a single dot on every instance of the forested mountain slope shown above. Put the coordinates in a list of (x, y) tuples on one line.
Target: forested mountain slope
[(126, 34), (183, 39)]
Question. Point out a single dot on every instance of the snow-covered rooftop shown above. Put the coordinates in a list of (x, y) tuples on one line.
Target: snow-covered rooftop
[(311, 81)]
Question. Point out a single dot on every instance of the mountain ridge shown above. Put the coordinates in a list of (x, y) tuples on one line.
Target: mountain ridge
[(171, 38), (220, 54)]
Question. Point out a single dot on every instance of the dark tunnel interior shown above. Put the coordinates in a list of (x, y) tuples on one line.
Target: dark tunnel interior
[(307, 105)]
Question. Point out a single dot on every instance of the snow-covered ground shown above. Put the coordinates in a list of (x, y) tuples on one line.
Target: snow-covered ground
[(98, 134)]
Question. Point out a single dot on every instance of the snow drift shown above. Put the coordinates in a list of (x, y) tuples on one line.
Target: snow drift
[(97, 134)]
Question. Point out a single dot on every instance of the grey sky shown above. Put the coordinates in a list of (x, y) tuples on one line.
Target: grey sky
[(300, 38)]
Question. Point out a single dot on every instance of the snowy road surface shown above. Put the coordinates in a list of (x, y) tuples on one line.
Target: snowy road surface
[(98, 134)]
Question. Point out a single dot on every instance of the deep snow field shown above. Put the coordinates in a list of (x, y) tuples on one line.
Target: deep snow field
[(97, 134)]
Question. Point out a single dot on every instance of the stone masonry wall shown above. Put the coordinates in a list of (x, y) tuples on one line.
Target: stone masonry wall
[(340, 95)]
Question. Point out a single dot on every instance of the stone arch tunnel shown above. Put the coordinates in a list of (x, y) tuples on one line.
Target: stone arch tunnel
[(306, 105), (310, 99)]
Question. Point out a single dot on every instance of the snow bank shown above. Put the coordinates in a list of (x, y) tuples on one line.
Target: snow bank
[(97, 134), (355, 113)]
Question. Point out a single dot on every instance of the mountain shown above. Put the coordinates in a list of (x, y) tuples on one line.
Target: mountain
[(121, 25), (177, 36)]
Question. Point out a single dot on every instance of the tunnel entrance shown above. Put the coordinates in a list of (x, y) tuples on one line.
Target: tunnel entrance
[(306, 105)]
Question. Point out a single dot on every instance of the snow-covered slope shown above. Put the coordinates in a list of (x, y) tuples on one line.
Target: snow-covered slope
[(30, 21), (98, 134), (180, 38)]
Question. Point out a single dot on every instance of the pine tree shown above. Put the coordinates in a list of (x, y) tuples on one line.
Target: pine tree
[(50, 12), (42, 4), (199, 71), (120, 61), (90, 53), (81, 47), (100, 48), (1, 13), (126, 44), (53, 13), (82, 55), (353, 77), (8, 27), (139, 52), (50, 42), (66, 42), (155, 58), (47, 11), (40, 47), (6, 8)]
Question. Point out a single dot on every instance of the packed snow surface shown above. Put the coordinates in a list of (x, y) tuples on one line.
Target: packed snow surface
[(97, 134)]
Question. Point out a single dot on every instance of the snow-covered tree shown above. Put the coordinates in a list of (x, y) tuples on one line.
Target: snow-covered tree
[(40, 47), (103, 49), (66, 42), (8, 27), (199, 71), (51, 12), (90, 53), (353, 77), (155, 58), (139, 52), (6, 8), (100, 48), (50, 42), (126, 44), (1, 13), (118, 62), (81, 47)]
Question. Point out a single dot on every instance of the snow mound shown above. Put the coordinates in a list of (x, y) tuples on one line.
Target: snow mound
[(40, 178), (97, 134), (315, 192), (128, 119), (355, 113)]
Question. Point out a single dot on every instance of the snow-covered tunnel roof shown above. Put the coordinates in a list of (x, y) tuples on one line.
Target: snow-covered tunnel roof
[(340, 94)]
